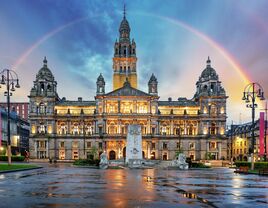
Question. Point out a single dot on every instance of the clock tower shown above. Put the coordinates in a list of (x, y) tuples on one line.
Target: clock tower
[(124, 60)]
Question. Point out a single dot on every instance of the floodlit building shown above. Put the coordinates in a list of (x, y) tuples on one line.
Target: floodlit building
[(19, 133), (70, 129)]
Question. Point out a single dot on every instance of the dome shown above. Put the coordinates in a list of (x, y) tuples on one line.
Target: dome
[(209, 73), (45, 73)]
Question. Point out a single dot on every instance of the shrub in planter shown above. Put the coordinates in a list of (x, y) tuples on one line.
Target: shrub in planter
[(83, 162), (13, 158), (199, 165), (257, 165)]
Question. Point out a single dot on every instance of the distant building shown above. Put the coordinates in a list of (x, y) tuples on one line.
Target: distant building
[(239, 140), (64, 129), (19, 133), (21, 108)]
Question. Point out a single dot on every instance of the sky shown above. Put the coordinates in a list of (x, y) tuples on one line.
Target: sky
[(174, 39)]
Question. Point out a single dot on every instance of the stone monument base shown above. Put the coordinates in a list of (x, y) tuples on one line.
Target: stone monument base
[(135, 163)]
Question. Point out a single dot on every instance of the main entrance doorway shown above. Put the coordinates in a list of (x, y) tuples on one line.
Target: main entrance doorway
[(112, 155)]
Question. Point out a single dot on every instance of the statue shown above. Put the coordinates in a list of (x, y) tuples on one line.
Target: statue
[(103, 161), (180, 162)]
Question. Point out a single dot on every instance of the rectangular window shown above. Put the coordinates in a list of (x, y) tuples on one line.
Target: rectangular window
[(61, 144), (178, 145), (153, 146), (88, 144), (191, 145), (75, 144), (100, 145), (164, 145)]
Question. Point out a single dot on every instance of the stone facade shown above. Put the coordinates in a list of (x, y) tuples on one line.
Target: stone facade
[(64, 129)]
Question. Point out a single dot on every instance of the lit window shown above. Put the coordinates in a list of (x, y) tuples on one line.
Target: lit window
[(61, 144), (75, 144), (191, 145), (42, 108)]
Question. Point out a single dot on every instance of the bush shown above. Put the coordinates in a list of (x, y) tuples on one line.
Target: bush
[(13, 158), (257, 165), (82, 162), (199, 165)]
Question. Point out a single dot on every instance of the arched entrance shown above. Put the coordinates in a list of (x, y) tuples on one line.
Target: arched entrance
[(165, 156), (245, 158), (143, 154), (112, 155), (153, 156), (124, 152)]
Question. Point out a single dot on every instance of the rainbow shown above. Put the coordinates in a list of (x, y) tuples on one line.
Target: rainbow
[(26, 53), (231, 60)]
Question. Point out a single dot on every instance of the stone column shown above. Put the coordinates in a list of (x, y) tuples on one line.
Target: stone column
[(219, 143), (171, 127), (149, 150), (118, 106), (185, 129), (157, 127), (69, 127), (135, 107)]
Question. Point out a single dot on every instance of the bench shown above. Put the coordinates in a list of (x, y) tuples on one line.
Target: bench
[(241, 169), (263, 171)]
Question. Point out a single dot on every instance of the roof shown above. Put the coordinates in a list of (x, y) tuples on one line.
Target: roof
[(179, 102), (76, 103), (127, 90)]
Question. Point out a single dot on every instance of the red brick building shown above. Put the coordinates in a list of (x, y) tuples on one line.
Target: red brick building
[(22, 108)]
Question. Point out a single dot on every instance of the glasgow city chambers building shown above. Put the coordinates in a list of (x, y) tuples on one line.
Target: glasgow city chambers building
[(70, 129)]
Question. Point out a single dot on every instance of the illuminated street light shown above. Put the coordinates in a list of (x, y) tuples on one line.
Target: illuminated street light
[(9, 78), (251, 92)]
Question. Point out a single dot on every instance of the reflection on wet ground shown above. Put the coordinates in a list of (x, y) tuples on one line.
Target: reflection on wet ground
[(67, 186)]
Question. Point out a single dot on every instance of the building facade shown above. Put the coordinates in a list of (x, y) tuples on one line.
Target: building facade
[(19, 133), (64, 129), (239, 140)]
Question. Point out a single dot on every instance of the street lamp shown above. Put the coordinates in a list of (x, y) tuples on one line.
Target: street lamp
[(11, 81), (251, 92)]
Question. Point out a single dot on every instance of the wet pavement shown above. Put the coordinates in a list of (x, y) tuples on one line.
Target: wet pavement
[(67, 186)]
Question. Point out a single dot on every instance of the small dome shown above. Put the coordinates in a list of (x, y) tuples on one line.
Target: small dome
[(44, 73), (124, 26), (209, 73)]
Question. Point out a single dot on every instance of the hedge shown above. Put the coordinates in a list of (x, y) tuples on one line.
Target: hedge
[(199, 165), (13, 158), (257, 165), (87, 162)]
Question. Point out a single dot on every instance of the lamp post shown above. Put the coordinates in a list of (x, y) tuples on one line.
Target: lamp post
[(251, 92), (11, 81)]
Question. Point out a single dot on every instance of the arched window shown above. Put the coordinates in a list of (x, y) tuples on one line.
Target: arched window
[(42, 128), (213, 109), (42, 88), (213, 129), (42, 108), (191, 129)]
